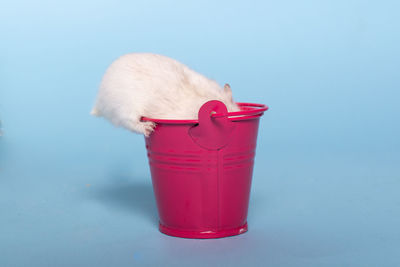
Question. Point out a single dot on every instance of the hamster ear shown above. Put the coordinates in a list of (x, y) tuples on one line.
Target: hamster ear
[(228, 90)]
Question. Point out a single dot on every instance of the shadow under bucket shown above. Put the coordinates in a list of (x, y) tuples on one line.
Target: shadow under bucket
[(201, 170)]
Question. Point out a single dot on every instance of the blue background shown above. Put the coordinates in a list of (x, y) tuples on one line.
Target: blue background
[(75, 191)]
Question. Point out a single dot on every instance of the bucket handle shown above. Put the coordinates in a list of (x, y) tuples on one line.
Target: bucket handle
[(212, 132)]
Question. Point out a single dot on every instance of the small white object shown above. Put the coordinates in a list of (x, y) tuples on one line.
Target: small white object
[(148, 85)]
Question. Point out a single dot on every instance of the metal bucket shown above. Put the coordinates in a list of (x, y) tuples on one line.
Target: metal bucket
[(202, 170)]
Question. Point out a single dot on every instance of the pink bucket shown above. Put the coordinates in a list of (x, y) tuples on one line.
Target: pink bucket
[(202, 170)]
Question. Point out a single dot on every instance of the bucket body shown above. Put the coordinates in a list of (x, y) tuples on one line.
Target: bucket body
[(201, 172)]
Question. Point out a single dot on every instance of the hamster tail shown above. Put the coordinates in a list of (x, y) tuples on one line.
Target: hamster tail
[(94, 112)]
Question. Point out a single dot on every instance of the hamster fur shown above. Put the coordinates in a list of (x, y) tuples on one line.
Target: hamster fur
[(148, 85)]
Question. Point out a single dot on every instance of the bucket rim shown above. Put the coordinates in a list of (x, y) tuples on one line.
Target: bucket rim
[(248, 111)]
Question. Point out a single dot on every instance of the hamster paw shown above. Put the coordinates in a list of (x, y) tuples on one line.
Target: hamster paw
[(147, 127)]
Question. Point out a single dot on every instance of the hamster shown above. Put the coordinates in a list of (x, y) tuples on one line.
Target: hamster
[(149, 85)]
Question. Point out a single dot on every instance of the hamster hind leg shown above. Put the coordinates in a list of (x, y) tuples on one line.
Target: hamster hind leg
[(141, 127)]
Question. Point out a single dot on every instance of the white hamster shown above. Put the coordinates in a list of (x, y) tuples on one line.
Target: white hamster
[(149, 85)]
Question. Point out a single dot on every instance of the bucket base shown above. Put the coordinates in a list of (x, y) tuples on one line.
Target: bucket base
[(202, 234)]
